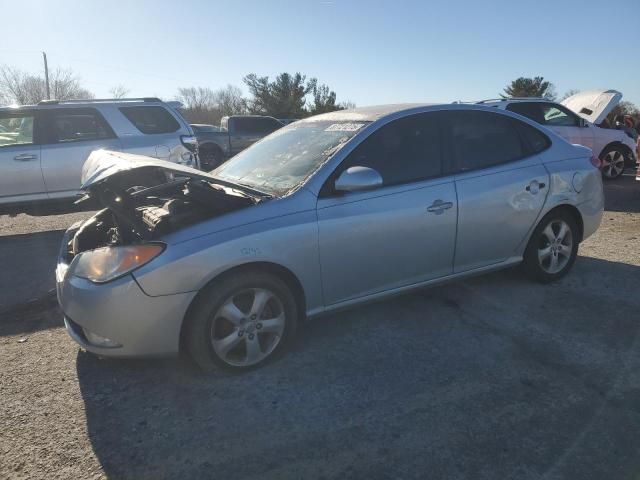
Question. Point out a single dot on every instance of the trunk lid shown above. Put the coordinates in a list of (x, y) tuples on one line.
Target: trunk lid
[(593, 105)]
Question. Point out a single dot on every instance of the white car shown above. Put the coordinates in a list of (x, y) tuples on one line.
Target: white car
[(579, 119)]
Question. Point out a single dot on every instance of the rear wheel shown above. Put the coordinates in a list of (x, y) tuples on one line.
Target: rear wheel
[(613, 161), (242, 322), (552, 248)]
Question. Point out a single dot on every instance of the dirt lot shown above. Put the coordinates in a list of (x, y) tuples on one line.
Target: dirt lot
[(493, 377)]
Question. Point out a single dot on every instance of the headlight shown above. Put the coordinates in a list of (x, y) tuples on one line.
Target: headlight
[(108, 263)]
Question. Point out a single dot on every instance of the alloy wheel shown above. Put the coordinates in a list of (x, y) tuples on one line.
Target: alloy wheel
[(556, 246), (613, 164), (248, 327)]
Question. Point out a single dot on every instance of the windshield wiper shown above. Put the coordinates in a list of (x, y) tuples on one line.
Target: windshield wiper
[(241, 186)]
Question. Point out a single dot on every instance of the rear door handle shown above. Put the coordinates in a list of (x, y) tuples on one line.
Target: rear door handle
[(25, 157), (439, 206)]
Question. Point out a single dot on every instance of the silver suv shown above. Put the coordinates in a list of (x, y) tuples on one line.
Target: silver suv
[(43, 147)]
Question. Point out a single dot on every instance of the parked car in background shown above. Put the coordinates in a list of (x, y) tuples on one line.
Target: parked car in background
[(43, 147), (204, 128), (331, 211), (235, 134), (579, 119)]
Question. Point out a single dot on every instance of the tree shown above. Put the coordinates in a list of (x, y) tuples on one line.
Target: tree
[(285, 97), (24, 88), (529, 87), (204, 105), (623, 108), (324, 100), (119, 91), (346, 105), (229, 101), (569, 93)]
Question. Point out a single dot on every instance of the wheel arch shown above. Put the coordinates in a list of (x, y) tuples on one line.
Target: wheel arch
[(571, 210), (628, 153), (277, 270)]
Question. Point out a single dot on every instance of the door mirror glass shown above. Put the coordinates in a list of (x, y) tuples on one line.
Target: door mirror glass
[(583, 122), (355, 179)]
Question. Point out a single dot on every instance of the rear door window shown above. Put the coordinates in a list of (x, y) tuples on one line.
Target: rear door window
[(485, 139), (151, 119), (77, 125)]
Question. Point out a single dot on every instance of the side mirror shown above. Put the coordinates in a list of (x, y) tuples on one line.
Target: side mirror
[(583, 123), (356, 179)]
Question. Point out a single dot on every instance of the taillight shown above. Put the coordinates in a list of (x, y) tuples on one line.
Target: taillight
[(595, 161)]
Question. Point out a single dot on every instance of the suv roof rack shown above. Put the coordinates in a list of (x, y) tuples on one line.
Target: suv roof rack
[(99, 100), (508, 99)]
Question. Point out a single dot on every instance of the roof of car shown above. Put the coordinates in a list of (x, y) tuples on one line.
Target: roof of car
[(89, 102), (367, 114)]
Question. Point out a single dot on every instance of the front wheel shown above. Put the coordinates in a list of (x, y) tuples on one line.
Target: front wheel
[(242, 322), (552, 248)]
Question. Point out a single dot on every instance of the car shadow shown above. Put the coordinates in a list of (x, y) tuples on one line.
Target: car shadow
[(461, 378), (50, 207)]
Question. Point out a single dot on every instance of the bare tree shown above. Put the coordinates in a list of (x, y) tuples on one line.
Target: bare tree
[(204, 105), (569, 93), (24, 88), (119, 91), (347, 105), (229, 101)]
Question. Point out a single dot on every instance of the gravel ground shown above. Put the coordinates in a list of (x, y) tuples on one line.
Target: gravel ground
[(494, 377)]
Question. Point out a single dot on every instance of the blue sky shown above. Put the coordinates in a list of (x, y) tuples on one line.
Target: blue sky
[(369, 52)]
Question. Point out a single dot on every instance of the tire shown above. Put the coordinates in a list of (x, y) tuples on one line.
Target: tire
[(219, 335), (546, 261), (613, 162), (210, 157)]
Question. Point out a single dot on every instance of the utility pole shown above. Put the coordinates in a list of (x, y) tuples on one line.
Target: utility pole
[(46, 75)]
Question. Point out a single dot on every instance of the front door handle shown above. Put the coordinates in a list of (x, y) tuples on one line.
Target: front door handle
[(25, 157), (439, 206)]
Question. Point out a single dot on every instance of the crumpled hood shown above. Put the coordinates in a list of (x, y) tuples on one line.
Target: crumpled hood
[(593, 105), (103, 164)]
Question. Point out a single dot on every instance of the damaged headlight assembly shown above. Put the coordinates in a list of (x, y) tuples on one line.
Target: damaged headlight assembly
[(109, 263)]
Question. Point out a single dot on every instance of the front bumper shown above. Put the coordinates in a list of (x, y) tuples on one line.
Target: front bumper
[(119, 310)]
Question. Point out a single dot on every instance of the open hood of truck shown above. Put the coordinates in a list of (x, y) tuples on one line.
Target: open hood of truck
[(103, 164), (593, 105)]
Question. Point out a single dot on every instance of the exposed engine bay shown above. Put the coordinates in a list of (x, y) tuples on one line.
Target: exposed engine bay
[(138, 213)]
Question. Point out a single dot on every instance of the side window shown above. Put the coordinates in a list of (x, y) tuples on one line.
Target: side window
[(151, 120), (535, 140), (530, 110), (484, 139), (268, 125), (16, 128), (557, 116), (76, 125), (403, 151)]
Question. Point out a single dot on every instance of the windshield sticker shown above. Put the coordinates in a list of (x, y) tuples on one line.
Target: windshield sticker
[(344, 127)]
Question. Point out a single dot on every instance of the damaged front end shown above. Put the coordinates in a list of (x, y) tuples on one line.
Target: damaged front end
[(144, 199)]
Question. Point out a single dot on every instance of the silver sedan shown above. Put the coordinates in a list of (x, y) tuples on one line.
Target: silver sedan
[(329, 212)]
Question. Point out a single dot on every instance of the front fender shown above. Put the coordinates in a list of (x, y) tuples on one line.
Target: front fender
[(290, 241)]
